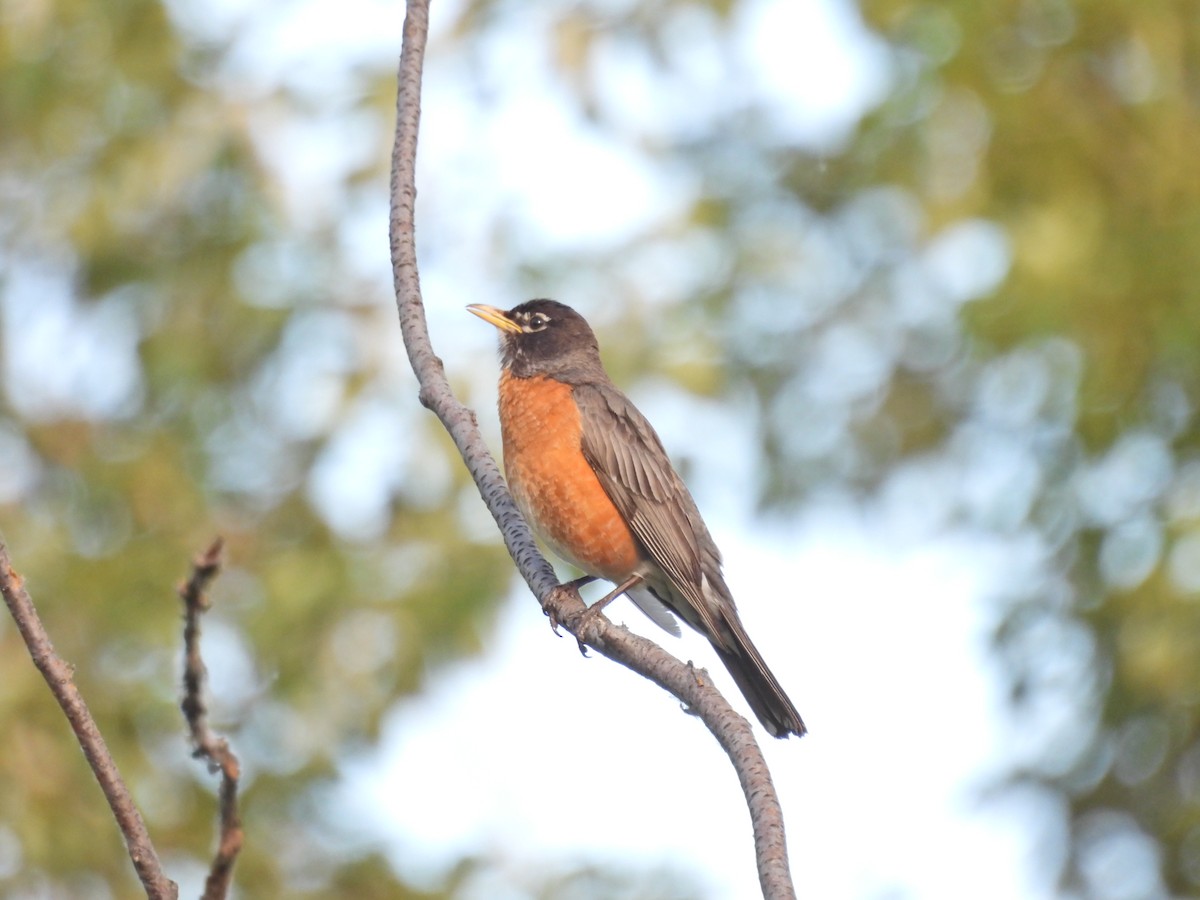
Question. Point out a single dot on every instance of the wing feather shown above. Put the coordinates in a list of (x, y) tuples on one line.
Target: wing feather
[(633, 468)]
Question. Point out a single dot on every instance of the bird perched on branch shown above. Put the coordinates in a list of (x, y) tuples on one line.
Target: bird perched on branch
[(592, 478)]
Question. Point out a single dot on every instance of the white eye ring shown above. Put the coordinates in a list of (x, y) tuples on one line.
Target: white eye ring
[(538, 321)]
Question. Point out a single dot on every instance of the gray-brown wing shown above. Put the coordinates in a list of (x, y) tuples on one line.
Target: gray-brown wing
[(634, 470)]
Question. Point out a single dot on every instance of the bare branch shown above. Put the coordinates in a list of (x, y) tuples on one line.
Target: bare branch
[(561, 603), (59, 676), (207, 745)]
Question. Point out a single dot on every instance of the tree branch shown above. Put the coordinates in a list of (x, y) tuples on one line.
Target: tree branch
[(559, 602), (58, 675), (205, 744)]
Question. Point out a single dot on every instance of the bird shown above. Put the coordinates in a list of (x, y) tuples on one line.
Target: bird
[(591, 477)]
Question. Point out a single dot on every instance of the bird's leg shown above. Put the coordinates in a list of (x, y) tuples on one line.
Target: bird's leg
[(580, 582), (596, 608), (631, 582)]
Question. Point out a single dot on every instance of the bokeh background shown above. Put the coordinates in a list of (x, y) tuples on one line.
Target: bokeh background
[(910, 288)]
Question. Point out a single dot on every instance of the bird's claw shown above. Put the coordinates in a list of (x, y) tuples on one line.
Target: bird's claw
[(590, 615), (554, 623)]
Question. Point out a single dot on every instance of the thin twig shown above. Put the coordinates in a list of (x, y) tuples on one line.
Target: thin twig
[(58, 674), (560, 603), (205, 744)]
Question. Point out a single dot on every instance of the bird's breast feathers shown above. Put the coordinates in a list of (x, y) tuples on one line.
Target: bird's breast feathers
[(552, 483)]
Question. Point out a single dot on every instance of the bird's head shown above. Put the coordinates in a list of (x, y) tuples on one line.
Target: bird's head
[(543, 337)]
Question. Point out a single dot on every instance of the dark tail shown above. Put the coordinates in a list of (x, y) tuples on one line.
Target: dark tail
[(757, 684)]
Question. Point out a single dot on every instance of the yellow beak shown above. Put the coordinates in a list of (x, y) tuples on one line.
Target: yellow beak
[(497, 317)]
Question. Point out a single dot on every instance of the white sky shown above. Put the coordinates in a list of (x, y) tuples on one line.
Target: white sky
[(883, 652)]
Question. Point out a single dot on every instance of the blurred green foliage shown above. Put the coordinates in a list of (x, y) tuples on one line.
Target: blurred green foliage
[(982, 302), (134, 190), (1085, 119)]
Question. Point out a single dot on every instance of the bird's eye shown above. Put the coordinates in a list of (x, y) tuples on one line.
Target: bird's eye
[(538, 321)]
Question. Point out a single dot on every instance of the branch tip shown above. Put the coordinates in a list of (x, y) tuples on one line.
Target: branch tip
[(207, 746)]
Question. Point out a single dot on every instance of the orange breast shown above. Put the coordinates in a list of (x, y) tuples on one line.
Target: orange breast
[(553, 484)]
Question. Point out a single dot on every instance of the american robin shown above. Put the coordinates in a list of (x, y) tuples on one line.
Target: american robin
[(592, 478)]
